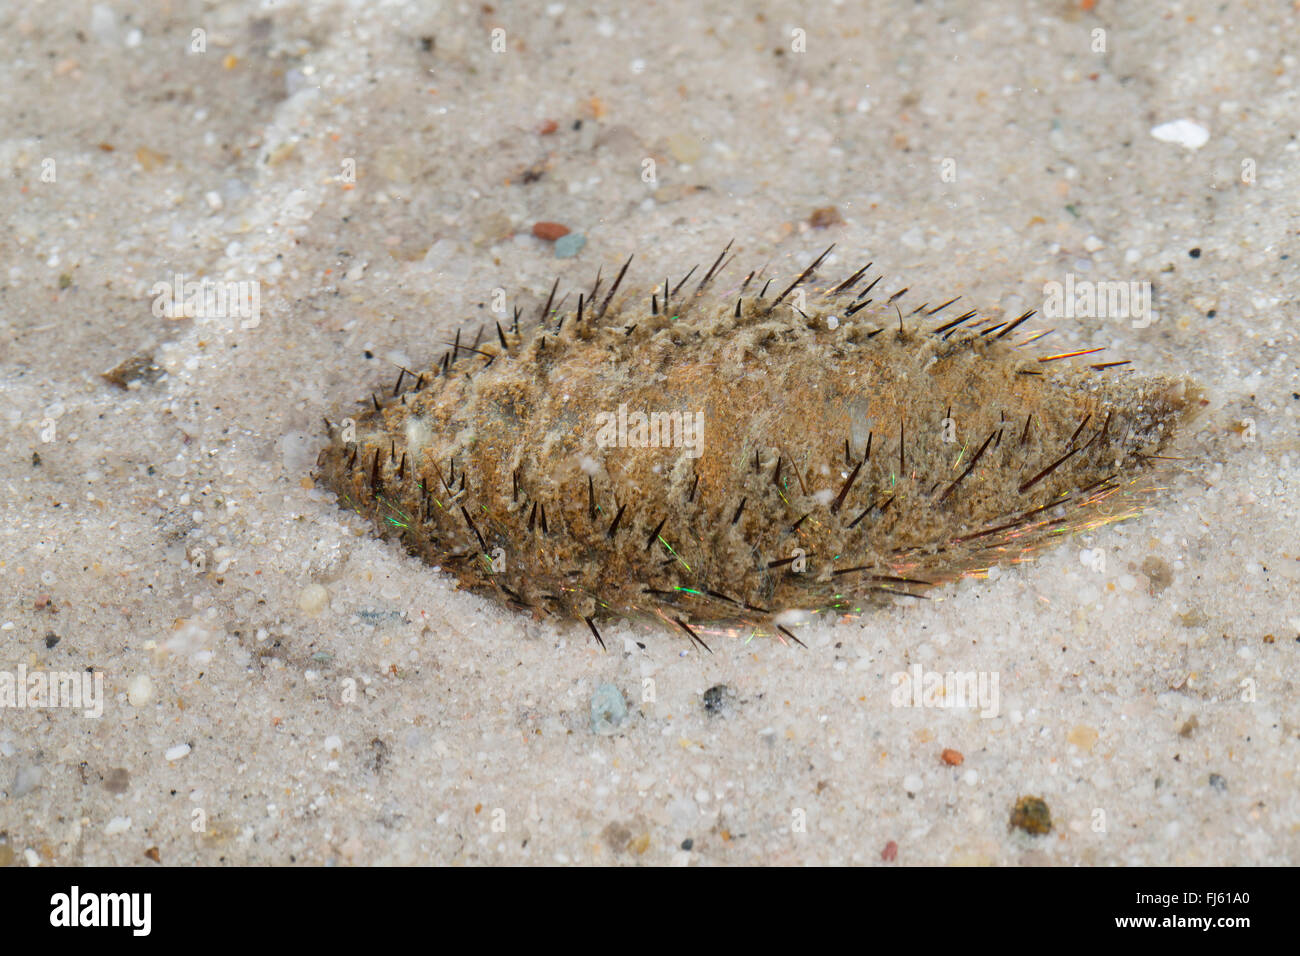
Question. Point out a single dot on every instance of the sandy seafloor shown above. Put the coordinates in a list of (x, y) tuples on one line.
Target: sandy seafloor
[(1156, 714)]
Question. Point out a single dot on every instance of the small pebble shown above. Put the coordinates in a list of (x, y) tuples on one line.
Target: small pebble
[(566, 247), (688, 844), (684, 147), (118, 780), (117, 825), (824, 217), (550, 231), (1082, 737), (1031, 815), (1159, 575), (313, 598), (27, 779), (140, 691), (717, 698), (1218, 783), (608, 709), (953, 758), (890, 853), (1184, 132), (177, 752)]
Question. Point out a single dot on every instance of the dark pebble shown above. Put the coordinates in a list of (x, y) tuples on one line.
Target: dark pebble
[(716, 698), (1031, 815)]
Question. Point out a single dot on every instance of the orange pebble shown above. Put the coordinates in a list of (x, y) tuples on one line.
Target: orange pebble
[(550, 231)]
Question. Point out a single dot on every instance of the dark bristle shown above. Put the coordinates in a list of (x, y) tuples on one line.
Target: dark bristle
[(802, 276), (902, 443), (1025, 435), (1078, 431), (713, 268), (788, 634), (844, 492), (955, 322), (851, 281), (739, 511), (971, 467), (939, 308), (617, 518), (596, 634), (1016, 323), (1048, 470), (865, 511), (1075, 354), (694, 637), (473, 527), (654, 535), (678, 286), (867, 290), (546, 309), (600, 314)]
